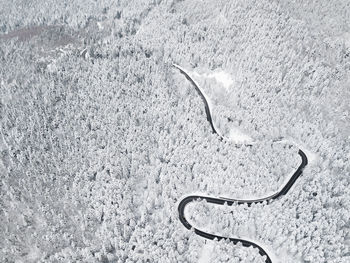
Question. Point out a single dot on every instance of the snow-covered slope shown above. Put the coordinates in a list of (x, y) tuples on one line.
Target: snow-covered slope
[(100, 136)]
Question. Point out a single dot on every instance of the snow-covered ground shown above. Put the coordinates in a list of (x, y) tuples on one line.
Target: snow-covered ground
[(100, 136)]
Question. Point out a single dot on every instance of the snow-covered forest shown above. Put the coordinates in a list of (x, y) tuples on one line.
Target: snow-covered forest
[(101, 137)]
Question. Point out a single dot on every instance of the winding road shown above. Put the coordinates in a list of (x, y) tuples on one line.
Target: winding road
[(221, 201)]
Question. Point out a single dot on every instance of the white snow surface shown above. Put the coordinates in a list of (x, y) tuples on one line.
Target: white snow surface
[(235, 134), (100, 137), (222, 77)]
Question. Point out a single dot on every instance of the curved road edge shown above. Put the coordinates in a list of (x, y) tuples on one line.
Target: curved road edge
[(221, 201)]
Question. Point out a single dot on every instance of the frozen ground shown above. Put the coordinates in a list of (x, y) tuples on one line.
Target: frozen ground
[(100, 136)]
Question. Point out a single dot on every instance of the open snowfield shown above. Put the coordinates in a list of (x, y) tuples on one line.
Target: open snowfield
[(101, 136)]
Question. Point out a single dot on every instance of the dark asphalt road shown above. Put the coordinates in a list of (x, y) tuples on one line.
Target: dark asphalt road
[(221, 201)]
